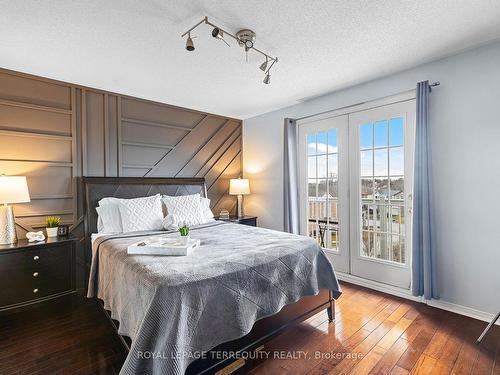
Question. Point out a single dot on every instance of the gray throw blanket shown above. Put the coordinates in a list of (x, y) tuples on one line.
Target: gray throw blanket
[(174, 308)]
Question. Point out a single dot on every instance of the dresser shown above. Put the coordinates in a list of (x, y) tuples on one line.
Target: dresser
[(32, 273), (246, 220)]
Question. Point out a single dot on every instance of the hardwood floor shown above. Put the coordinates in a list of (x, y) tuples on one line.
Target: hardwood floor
[(381, 334), (374, 333), (79, 341)]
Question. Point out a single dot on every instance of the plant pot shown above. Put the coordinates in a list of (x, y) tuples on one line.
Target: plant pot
[(52, 232), (184, 240)]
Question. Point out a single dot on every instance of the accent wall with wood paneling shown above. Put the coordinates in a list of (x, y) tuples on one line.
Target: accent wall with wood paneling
[(53, 132)]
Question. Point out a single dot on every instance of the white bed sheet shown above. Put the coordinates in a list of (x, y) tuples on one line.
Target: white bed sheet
[(94, 236)]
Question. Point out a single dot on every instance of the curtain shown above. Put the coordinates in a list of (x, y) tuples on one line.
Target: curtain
[(290, 178), (423, 257)]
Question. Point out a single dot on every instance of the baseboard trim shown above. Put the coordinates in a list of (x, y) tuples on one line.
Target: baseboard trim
[(462, 310), (380, 287), (404, 293)]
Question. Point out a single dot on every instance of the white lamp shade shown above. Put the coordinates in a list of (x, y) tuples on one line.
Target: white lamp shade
[(239, 186), (13, 189)]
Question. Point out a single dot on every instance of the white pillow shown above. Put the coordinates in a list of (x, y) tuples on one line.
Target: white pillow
[(185, 208), (109, 219), (208, 215), (141, 214)]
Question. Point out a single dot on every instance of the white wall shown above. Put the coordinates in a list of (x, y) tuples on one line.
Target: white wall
[(465, 121)]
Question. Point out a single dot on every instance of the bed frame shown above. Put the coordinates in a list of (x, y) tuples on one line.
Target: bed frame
[(96, 188)]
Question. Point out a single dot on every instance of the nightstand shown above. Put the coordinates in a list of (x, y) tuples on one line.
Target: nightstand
[(246, 220), (32, 273)]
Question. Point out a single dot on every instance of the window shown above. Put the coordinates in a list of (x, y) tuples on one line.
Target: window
[(382, 189), (322, 187)]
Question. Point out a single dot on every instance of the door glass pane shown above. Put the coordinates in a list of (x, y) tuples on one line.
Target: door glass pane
[(396, 132), (332, 141), (380, 162), (397, 189), (367, 243), (323, 218), (321, 143), (366, 136), (311, 144), (333, 188), (311, 167), (396, 161), (322, 186), (312, 188), (333, 167), (321, 166), (367, 189), (367, 163), (382, 190), (381, 135)]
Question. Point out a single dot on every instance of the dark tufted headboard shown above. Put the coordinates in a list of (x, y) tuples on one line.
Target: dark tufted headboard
[(96, 188)]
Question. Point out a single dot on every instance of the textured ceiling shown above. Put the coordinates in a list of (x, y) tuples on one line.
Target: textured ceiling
[(134, 47)]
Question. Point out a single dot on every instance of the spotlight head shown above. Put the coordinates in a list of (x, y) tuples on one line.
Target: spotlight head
[(263, 66), (217, 33), (267, 79), (189, 43)]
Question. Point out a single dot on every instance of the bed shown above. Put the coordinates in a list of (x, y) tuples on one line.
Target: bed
[(198, 314)]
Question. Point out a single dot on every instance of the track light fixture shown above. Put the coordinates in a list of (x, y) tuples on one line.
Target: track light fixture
[(245, 39), (263, 66), (189, 43), (267, 79)]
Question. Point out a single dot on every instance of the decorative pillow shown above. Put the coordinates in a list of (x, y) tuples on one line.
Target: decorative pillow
[(208, 215), (186, 208), (109, 219), (141, 214)]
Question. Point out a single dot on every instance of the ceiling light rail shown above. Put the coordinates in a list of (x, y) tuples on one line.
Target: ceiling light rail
[(245, 38)]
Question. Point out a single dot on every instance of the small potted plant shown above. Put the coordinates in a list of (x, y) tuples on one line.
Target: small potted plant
[(184, 231), (52, 225)]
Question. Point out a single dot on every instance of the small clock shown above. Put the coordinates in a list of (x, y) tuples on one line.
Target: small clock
[(63, 230)]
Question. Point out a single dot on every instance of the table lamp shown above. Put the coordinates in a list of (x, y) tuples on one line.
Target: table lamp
[(239, 187), (13, 189)]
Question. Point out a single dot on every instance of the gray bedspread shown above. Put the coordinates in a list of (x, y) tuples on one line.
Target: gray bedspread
[(174, 308)]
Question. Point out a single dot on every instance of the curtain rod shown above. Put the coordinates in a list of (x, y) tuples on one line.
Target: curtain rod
[(433, 84)]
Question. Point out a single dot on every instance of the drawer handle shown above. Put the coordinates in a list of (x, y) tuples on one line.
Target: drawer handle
[(35, 274), (36, 257), (35, 291)]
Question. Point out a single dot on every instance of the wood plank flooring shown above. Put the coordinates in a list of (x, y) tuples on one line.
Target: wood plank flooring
[(374, 333)]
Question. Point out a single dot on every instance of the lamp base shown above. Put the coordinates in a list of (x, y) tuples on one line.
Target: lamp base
[(7, 226), (240, 205)]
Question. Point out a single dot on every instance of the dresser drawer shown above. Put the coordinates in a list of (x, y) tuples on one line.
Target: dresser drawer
[(14, 263), (32, 274)]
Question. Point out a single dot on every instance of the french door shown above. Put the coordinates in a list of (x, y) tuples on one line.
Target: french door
[(356, 188), (324, 186)]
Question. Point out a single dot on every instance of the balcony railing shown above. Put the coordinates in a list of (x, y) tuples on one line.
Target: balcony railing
[(382, 226)]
